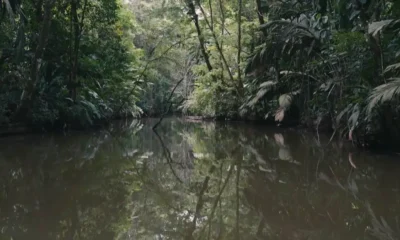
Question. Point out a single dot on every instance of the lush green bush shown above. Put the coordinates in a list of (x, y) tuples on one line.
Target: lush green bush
[(87, 69)]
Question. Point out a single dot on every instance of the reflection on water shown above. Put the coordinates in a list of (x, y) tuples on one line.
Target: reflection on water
[(195, 181)]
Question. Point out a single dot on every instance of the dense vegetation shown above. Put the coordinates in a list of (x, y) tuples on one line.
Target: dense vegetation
[(67, 62), (326, 64)]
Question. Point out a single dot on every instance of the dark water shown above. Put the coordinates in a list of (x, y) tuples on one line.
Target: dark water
[(195, 181)]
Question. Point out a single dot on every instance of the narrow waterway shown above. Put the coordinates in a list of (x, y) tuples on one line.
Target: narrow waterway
[(195, 180)]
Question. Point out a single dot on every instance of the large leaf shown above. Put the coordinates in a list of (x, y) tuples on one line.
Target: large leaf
[(383, 93), (268, 84), (90, 106), (280, 115), (393, 67), (375, 27), (9, 9), (265, 87), (296, 74), (285, 100), (343, 112), (290, 25)]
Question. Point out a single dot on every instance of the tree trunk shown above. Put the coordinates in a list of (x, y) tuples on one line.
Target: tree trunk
[(240, 82), (259, 12), (76, 30), (195, 18), (28, 93), (218, 45), (374, 42)]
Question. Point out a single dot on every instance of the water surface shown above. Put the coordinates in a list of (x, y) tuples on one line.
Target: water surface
[(193, 180)]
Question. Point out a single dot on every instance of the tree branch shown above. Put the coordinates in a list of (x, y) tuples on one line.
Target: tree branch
[(170, 105)]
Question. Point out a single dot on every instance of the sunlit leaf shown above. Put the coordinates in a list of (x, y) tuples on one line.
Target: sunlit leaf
[(285, 100), (280, 115)]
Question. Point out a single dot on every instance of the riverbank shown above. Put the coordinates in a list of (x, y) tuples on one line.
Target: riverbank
[(315, 127)]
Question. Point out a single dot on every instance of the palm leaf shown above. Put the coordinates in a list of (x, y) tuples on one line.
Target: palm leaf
[(296, 74), (383, 93), (290, 25), (290, 36), (279, 115), (11, 7), (268, 84), (265, 87), (261, 57), (393, 67), (375, 27), (285, 100), (9, 10), (260, 94), (90, 106), (285, 37), (343, 112)]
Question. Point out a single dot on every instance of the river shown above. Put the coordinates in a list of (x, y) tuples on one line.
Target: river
[(195, 180)]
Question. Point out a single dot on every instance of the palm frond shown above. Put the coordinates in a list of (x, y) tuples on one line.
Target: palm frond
[(264, 89), (392, 68), (345, 111), (268, 84), (292, 35), (284, 38), (279, 115), (291, 28), (262, 56), (289, 74), (285, 100), (9, 9), (383, 93), (91, 108), (375, 27)]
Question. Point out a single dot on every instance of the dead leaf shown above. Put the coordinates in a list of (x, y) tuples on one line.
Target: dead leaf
[(280, 115)]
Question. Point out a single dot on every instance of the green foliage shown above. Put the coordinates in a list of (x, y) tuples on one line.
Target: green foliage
[(104, 59), (383, 93), (89, 69), (343, 67)]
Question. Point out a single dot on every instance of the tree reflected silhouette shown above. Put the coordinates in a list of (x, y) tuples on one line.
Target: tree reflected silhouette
[(195, 181)]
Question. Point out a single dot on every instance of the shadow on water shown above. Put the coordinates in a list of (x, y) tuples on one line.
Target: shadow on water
[(195, 181)]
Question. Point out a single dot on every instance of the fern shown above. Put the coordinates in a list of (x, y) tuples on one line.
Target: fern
[(383, 93)]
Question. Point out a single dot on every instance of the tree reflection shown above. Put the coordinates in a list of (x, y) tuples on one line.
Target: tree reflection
[(195, 181), (65, 188), (251, 195)]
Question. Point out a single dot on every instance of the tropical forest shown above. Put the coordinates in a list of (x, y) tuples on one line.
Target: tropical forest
[(326, 65), (199, 119)]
